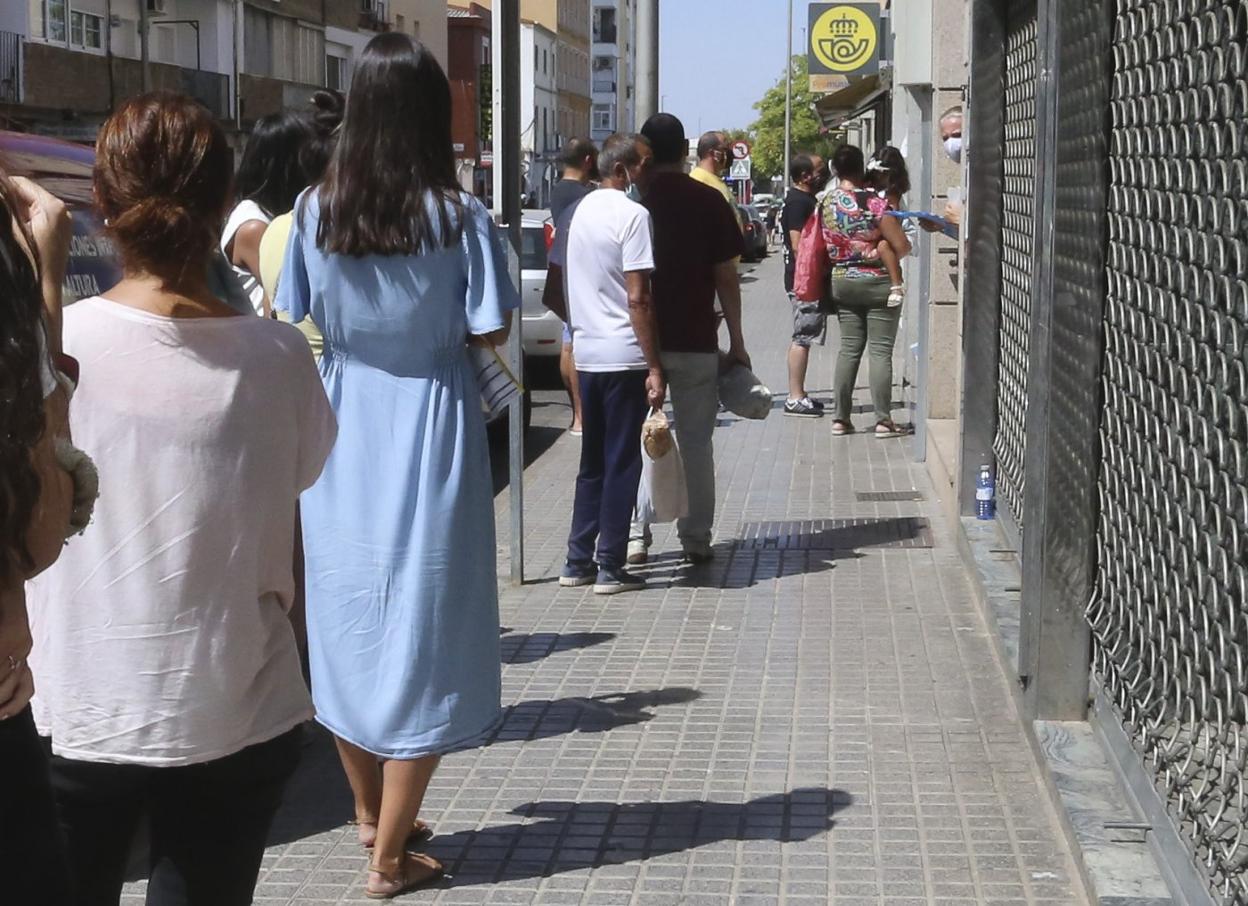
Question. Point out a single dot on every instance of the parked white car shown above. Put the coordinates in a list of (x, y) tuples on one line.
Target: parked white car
[(543, 331)]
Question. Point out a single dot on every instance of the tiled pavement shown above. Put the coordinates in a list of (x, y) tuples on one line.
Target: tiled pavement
[(794, 727)]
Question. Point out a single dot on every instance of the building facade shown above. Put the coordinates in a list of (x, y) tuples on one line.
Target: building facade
[(469, 70), (613, 68), (65, 64), (539, 98)]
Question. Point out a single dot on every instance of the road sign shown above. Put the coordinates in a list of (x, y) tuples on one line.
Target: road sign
[(844, 39), (741, 169), (740, 150)]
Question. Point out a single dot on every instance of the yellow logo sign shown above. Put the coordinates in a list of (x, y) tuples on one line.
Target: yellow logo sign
[(844, 38)]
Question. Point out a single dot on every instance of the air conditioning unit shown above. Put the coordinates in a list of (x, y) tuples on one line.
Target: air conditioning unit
[(157, 7)]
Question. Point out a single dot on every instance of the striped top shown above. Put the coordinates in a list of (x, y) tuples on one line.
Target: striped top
[(245, 212)]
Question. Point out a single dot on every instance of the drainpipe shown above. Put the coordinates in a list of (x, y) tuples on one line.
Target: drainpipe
[(238, 95), (144, 52)]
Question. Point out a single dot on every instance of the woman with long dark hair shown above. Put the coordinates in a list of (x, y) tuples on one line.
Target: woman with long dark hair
[(269, 179), (400, 269), (325, 117), (168, 672), (35, 500)]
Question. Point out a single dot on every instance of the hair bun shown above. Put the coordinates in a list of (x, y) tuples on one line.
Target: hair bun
[(328, 107)]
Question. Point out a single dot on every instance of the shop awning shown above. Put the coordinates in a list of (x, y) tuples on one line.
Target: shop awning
[(850, 98)]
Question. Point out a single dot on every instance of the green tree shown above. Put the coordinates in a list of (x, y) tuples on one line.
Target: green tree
[(808, 134)]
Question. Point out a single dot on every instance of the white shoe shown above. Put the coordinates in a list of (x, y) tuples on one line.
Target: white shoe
[(638, 552), (896, 295)]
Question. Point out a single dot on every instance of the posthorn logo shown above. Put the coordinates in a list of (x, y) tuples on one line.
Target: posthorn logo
[(844, 39)]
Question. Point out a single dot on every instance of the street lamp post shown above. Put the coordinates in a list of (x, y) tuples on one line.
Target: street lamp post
[(788, 99)]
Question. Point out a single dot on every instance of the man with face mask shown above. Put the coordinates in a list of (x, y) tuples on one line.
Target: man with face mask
[(714, 160), (809, 176), (600, 265)]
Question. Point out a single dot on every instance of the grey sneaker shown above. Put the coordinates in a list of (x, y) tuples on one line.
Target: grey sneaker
[(803, 408), (638, 552), (614, 581), (575, 575)]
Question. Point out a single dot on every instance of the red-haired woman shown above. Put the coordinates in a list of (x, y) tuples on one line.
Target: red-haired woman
[(168, 673)]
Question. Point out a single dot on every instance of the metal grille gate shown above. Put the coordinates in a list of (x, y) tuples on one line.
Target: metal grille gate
[(1169, 615), (1017, 243)]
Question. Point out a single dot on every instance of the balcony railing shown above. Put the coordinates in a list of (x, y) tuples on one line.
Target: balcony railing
[(604, 86), (373, 15), (10, 67)]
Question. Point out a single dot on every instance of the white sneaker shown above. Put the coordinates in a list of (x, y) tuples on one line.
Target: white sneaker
[(638, 552)]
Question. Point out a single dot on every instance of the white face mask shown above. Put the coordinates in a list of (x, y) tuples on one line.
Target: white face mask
[(953, 147), (632, 191)]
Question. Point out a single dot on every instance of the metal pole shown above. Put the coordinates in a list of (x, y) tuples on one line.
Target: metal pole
[(144, 54), (788, 100), (647, 59), (238, 94), (505, 57)]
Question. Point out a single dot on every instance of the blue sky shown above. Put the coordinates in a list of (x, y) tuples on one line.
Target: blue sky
[(717, 57)]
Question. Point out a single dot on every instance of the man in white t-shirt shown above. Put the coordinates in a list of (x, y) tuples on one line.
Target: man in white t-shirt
[(601, 262)]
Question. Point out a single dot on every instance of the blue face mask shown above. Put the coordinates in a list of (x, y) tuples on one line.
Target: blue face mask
[(633, 192)]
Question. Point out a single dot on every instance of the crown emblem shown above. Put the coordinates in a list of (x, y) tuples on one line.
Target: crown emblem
[(844, 27)]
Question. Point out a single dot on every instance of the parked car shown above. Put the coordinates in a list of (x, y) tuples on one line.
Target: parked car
[(543, 331), (755, 233), (64, 169)]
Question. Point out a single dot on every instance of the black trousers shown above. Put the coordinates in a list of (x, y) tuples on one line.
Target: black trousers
[(613, 408), (208, 823), (32, 858)]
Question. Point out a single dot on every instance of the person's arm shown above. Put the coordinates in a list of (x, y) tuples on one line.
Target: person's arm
[(49, 523), (728, 288), (497, 337), (51, 227), (17, 685), (552, 295), (244, 252), (646, 326), (890, 229)]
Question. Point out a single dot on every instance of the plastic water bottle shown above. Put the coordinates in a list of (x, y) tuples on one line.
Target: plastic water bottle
[(985, 494)]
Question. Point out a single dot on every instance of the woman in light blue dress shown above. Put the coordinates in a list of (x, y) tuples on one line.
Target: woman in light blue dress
[(400, 270)]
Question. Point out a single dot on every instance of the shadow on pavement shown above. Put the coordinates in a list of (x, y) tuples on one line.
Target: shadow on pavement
[(543, 718), (558, 837), (530, 647), (735, 567), (318, 798)]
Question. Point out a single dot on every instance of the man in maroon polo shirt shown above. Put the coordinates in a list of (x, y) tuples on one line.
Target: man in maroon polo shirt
[(697, 240)]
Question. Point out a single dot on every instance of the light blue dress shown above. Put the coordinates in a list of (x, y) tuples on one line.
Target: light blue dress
[(398, 533)]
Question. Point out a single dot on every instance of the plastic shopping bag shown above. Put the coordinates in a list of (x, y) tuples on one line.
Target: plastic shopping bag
[(662, 495), (741, 392), (656, 434), (811, 272)]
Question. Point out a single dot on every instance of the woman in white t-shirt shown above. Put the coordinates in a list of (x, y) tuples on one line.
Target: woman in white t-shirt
[(167, 672), (270, 178)]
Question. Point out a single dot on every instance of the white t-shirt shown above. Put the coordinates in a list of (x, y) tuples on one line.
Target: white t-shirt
[(246, 210), (608, 237), (161, 635)]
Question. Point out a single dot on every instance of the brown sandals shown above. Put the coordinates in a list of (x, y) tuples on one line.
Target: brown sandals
[(416, 870)]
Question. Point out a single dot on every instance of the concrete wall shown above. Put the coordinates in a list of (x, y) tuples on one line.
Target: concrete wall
[(426, 20), (929, 79)]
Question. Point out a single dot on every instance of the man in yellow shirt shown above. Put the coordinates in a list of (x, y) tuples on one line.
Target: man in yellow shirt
[(714, 158)]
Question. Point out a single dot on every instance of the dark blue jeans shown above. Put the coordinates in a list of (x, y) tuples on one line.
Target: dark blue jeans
[(613, 406)]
